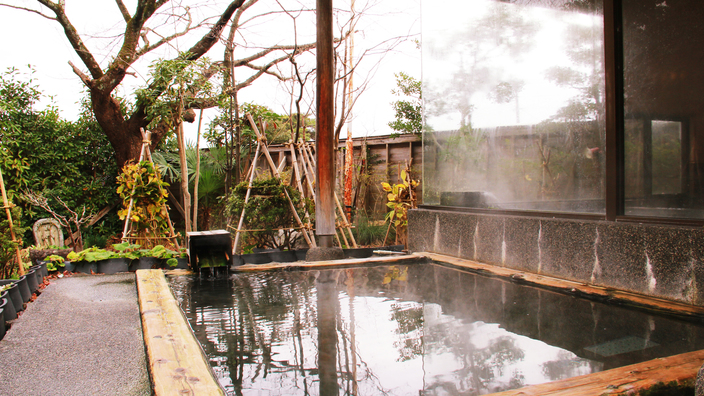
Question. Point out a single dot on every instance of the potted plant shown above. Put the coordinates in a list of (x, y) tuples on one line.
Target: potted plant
[(157, 257), (144, 196), (120, 259), (54, 262), (86, 260)]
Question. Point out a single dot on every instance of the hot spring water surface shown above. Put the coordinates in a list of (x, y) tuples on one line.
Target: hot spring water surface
[(418, 329)]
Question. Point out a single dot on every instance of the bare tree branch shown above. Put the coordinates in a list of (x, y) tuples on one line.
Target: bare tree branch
[(86, 80), (164, 40), (74, 38), (29, 10), (125, 13)]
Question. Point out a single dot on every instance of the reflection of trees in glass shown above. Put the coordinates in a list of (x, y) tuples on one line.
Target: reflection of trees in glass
[(578, 128), (479, 49), (560, 158)]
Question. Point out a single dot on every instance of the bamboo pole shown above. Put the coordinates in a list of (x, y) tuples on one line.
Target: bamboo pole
[(345, 222), (307, 172), (246, 198), (146, 136), (7, 206)]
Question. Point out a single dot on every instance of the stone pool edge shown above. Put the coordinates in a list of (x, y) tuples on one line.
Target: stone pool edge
[(176, 361)]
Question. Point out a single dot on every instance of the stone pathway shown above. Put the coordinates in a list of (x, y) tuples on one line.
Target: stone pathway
[(82, 336)]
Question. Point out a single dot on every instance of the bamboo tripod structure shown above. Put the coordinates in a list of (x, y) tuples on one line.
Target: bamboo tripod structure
[(7, 206), (262, 146), (145, 153), (308, 169)]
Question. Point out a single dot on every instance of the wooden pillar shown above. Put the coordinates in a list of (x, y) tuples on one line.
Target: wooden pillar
[(325, 120)]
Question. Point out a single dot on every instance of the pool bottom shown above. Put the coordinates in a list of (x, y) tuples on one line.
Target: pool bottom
[(393, 280)]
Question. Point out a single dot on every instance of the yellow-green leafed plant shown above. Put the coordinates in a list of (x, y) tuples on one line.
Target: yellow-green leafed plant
[(143, 184), (401, 197)]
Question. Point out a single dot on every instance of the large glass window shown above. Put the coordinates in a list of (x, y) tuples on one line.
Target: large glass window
[(663, 44), (514, 104)]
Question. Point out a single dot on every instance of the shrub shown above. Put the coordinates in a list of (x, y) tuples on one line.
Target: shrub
[(268, 215)]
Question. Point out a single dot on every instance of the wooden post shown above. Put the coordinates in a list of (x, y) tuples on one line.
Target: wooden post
[(7, 206), (325, 124)]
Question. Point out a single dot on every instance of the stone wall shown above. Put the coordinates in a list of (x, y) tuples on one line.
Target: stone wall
[(661, 261)]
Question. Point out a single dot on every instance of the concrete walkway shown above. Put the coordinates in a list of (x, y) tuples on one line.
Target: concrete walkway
[(82, 336)]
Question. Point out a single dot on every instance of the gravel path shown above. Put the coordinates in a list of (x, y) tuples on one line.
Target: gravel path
[(82, 336)]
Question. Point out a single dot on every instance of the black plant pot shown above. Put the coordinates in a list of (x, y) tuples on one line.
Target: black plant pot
[(358, 252), (182, 263), (39, 274), (256, 258), (68, 266), (287, 256), (236, 260), (301, 254), (113, 265), (2, 326), (24, 288), (45, 271), (86, 267), (14, 293), (261, 250), (32, 280), (146, 263), (394, 248), (10, 312)]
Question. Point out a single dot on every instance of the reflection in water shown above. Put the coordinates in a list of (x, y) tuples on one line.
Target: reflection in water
[(417, 329)]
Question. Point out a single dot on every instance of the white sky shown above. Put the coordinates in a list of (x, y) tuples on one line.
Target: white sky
[(31, 39)]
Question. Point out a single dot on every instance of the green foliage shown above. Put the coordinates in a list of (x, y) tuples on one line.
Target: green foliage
[(54, 262), (92, 254), (368, 232), (267, 210), (142, 184), (401, 197), (42, 153), (278, 126), (409, 111), (8, 247), (173, 84)]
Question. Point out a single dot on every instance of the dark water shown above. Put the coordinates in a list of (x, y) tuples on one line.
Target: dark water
[(419, 329)]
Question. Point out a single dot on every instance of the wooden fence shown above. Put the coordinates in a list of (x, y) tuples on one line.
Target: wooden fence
[(385, 157)]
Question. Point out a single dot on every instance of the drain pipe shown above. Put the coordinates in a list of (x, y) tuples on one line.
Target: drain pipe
[(325, 136)]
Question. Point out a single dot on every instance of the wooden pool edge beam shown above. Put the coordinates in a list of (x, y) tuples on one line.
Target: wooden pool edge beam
[(176, 361), (626, 380), (312, 265)]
